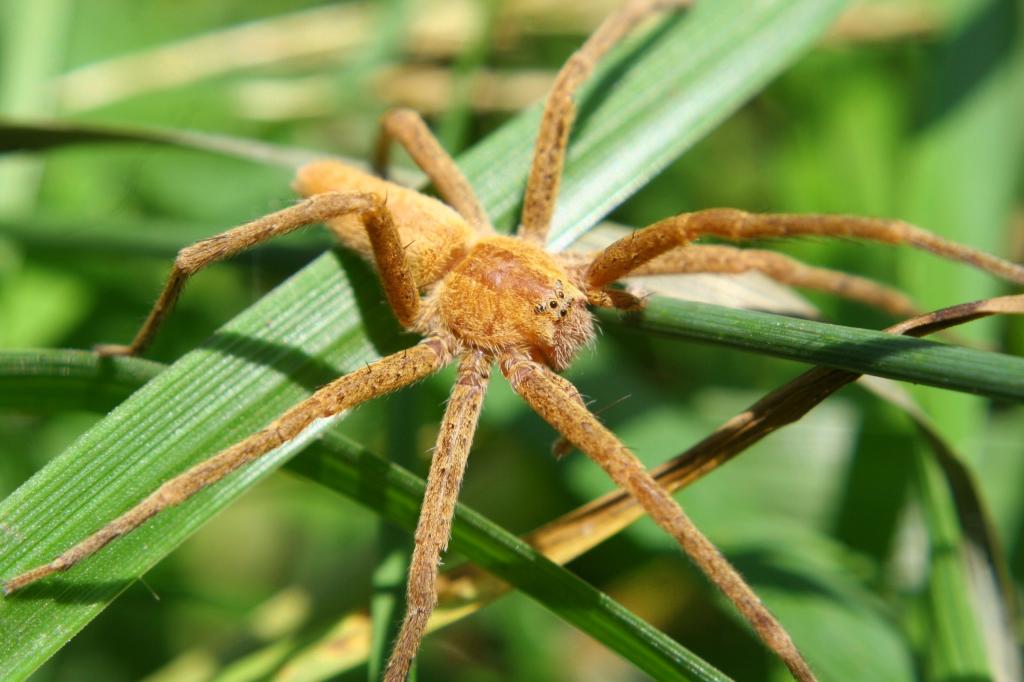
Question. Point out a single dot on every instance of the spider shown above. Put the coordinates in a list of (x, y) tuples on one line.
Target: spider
[(486, 299)]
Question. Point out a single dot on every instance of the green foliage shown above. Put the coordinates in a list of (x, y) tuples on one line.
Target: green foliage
[(821, 518)]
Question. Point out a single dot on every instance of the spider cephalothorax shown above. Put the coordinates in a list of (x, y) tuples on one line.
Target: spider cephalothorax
[(508, 295), (487, 299), (482, 290)]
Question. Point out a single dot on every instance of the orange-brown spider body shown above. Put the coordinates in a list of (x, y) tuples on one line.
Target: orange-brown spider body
[(508, 295), (493, 293), (432, 234), (488, 300)]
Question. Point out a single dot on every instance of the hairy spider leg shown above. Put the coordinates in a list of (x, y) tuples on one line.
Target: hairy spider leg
[(367, 204), (783, 269), (548, 397), (408, 128), (370, 209), (434, 527), (630, 253), (730, 260), (587, 526), (560, 112), (376, 379)]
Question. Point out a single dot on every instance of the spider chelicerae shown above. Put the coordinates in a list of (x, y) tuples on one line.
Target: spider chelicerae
[(484, 299)]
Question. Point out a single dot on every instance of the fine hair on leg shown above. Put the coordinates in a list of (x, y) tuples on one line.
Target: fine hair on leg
[(407, 128), (388, 252), (434, 527), (632, 251), (534, 383), (560, 112), (378, 378), (705, 258)]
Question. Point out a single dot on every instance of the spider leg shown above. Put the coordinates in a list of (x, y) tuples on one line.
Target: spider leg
[(548, 398), (407, 127), (388, 251), (434, 527), (560, 112), (784, 269), (629, 253), (383, 376)]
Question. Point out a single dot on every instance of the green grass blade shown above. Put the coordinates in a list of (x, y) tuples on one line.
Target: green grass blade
[(68, 240), (53, 380), (976, 519), (327, 319), (27, 136), (29, 378), (394, 548), (955, 641), (861, 350), (33, 47), (963, 179)]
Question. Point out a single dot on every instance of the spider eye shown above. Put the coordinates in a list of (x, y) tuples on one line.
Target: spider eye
[(564, 312), (553, 304)]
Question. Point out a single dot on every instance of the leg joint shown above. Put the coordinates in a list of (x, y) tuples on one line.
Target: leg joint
[(517, 370), (394, 120), (187, 262)]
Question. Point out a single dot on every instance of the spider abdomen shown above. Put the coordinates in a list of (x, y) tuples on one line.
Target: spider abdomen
[(509, 294), (434, 235)]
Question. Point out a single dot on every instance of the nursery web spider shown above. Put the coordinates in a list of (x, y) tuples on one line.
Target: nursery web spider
[(484, 298)]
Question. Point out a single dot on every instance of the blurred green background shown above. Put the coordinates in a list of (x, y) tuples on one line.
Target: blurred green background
[(908, 109)]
